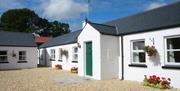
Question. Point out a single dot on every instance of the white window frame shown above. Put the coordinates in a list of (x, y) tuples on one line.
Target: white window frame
[(53, 54), (166, 50), (25, 57), (4, 55), (132, 51), (74, 53)]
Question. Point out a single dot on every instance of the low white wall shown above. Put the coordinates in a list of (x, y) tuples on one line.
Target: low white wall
[(90, 34), (109, 57), (31, 56), (154, 67), (66, 62)]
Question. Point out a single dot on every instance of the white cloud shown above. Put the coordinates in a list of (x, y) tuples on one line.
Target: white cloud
[(155, 5), (63, 9)]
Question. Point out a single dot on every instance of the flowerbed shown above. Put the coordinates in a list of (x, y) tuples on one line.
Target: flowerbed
[(58, 66), (74, 70), (157, 82)]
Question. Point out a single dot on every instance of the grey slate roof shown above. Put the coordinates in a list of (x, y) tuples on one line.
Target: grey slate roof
[(104, 29), (62, 40), (17, 39), (160, 18)]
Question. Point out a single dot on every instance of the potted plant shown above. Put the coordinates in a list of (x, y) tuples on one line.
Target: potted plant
[(157, 82), (74, 70), (64, 52), (150, 50), (58, 66), (13, 54)]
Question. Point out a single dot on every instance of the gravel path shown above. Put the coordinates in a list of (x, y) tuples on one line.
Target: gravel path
[(47, 79)]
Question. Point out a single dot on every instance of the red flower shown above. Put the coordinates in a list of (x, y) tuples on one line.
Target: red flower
[(154, 83), (163, 82), (149, 81), (158, 78), (154, 76), (169, 79), (169, 82), (58, 66)]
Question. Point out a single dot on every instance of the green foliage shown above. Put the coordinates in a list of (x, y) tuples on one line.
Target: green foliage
[(25, 20), (64, 52), (150, 50)]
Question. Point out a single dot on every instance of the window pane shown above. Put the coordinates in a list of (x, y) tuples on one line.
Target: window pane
[(139, 57), (75, 49), (22, 55), (139, 45), (53, 53), (3, 52), (75, 56), (173, 43), (173, 56), (3, 58), (23, 58)]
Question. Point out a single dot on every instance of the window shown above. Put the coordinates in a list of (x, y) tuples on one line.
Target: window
[(173, 50), (22, 55), (3, 56), (52, 53), (138, 54), (75, 55)]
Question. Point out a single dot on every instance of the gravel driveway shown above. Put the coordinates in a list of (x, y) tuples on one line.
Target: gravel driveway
[(48, 79)]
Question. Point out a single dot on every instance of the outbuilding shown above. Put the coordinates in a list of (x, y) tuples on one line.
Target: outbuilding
[(17, 50)]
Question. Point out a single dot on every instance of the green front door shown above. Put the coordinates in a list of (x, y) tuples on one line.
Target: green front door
[(89, 58)]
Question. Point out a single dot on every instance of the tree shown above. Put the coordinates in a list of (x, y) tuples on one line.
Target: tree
[(25, 20)]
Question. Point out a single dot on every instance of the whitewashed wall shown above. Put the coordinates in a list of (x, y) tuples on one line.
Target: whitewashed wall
[(109, 57), (31, 56), (42, 56), (90, 34), (154, 66), (66, 62)]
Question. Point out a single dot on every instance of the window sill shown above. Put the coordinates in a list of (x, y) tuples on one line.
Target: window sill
[(74, 61), (171, 67), (138, 65), (52, 59), (4, 62), (60, 60), (22, 62)]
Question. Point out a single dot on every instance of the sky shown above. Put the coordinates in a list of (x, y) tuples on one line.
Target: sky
[(74, 12)]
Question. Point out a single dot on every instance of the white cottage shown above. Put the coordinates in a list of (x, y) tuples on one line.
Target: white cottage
[(17, 50), (115, 49), (60, 50)]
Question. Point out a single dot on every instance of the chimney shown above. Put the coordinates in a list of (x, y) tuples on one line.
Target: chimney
[(84, 23)]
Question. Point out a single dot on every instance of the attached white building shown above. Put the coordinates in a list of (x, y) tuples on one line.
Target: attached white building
[(98, 55), (17, 50), (115, 49), (60, 50)]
